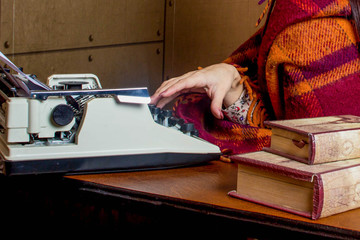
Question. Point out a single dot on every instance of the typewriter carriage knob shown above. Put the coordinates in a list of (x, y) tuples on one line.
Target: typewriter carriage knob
[(62, 115)]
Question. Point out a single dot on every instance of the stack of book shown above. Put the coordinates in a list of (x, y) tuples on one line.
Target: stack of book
[(312, 167)]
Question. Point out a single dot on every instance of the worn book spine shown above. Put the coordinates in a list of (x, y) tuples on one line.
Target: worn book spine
[(327, 146), (334, 191)]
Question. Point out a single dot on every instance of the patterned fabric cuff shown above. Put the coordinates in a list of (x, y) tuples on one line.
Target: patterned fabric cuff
[(237, 112)]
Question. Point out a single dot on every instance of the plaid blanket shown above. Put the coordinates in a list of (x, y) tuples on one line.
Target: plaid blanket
[(305, 63)]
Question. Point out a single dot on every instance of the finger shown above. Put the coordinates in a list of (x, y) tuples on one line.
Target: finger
[(155, 98), (217, 97), (215, 107), (167, 84), (164, 101), (192, 82)]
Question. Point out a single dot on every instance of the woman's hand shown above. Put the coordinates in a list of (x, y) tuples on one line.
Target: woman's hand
[(221, 82)]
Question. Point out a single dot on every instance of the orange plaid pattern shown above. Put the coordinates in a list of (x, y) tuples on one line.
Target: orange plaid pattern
[(306, 64)]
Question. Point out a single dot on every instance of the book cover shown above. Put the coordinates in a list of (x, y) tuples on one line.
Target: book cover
[(312, 191), (316, 140)]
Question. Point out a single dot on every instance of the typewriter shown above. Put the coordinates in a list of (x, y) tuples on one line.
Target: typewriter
[(71, 125)]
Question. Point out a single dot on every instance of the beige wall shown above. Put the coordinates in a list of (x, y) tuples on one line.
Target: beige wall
[(126, 43), (204, 32)]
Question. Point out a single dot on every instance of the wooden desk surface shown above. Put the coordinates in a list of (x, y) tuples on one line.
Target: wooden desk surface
[(205, 188)]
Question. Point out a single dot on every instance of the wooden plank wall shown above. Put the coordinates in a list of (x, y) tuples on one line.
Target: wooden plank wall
[(121, 41), (126, 43)]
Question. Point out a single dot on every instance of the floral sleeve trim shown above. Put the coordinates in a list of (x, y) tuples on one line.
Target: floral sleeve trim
[(238, 111)]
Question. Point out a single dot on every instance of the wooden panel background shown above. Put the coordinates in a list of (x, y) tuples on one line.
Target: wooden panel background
[(120, 41), (202, 32), (116, 66), (38, 25), (126, 43)]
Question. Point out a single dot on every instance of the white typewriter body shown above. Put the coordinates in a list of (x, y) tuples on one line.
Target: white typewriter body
[(75, 126)]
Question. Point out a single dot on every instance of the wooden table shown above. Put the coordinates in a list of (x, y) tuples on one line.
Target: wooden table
[(199, 195)]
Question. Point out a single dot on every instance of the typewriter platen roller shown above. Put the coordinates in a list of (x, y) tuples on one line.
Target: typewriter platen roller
[(72, 125)]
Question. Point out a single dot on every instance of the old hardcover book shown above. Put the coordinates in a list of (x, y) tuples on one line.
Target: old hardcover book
[(316, 140), (313, 191)]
